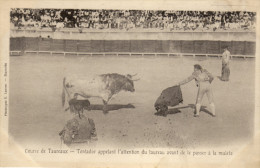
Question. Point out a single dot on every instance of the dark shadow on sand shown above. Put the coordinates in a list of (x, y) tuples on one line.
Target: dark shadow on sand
[(170, 111), (202, 109), (177, 110), (110, 107)]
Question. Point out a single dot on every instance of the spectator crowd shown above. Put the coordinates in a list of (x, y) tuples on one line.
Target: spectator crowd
[(57, 19)]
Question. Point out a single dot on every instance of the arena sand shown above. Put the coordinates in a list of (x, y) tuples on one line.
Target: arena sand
[(36, 114)]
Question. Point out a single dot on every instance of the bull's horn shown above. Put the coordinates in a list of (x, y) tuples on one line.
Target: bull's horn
[(136, 79), (129, 75), (134, 75)]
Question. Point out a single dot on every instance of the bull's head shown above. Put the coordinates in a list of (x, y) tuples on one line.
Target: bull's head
[(129, 85)]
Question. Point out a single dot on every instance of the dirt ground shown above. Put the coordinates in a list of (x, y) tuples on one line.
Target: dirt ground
[(36, 114)]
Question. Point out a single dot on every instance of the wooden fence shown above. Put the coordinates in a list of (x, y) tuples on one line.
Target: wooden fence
[(23, 45)]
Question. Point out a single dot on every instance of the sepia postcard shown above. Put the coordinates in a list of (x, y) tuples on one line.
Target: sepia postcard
[(129, 83)]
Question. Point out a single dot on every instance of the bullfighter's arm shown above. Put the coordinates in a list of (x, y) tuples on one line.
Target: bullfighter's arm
[(211, 77), (190, 78)]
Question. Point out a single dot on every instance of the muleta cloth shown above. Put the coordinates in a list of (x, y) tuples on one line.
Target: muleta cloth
[(225, 72), (171, 96), (78, 130)]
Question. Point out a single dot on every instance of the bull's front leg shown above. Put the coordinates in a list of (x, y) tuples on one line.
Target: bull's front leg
[(105, 102), (105, 109), (106, 98)]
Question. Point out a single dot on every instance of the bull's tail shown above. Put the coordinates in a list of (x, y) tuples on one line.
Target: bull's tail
[(63, 96)]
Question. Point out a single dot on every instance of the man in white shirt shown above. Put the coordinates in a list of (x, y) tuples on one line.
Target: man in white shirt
[(225, 64)]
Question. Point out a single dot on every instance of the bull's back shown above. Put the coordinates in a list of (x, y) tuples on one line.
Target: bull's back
[(89, 87)]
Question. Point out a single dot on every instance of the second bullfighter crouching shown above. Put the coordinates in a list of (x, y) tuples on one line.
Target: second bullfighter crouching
[(171, 96)]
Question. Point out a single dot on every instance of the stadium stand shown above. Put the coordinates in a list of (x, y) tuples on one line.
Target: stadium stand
[(132, 32), (57, 19)]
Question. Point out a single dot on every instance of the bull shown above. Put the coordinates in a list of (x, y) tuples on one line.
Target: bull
[(103, 86)]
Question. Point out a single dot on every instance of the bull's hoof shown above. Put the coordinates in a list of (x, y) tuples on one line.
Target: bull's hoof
[(105, 112)]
